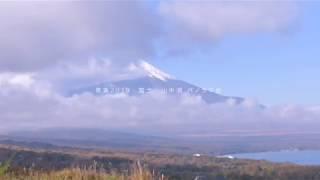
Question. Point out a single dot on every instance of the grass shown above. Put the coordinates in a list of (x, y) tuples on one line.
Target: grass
[(4, 168), (114, 165), (6, 165), (137, 172)]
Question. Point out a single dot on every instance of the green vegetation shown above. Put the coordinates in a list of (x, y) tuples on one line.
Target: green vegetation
[(4, 167), (74, 164)]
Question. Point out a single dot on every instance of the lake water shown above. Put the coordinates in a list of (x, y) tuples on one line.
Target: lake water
[(299, 157)]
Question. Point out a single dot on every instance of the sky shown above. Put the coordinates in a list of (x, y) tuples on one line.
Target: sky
[(264, 51), (276, 68)]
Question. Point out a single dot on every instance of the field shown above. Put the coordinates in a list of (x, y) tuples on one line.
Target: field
[(20, 162)]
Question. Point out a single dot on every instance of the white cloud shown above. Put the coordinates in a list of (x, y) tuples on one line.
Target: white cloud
[(39, 34), (206, 22), (21, 79), (71, 75), (177, 115), (44, 44)]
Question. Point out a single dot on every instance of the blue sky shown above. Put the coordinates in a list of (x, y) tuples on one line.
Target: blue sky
[(266, 50), (274, 68)]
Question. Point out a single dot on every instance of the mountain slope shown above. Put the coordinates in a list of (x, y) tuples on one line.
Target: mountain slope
[(153, 79)]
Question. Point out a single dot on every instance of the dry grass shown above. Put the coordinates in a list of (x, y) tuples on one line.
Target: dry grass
[(137, 172), (67, 174)]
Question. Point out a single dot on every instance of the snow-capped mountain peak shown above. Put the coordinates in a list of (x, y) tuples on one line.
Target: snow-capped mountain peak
[(153, 72), (151, 78)]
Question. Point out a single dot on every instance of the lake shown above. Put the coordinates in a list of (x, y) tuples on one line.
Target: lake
[(303, 157)]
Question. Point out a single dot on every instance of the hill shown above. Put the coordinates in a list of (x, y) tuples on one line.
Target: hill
[(25, 161)]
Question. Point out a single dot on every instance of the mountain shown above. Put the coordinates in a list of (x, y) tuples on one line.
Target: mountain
[(153, 79), (85, 137)]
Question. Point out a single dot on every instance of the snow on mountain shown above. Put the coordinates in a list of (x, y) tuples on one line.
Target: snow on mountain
[(153, 72), (153, 79)]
